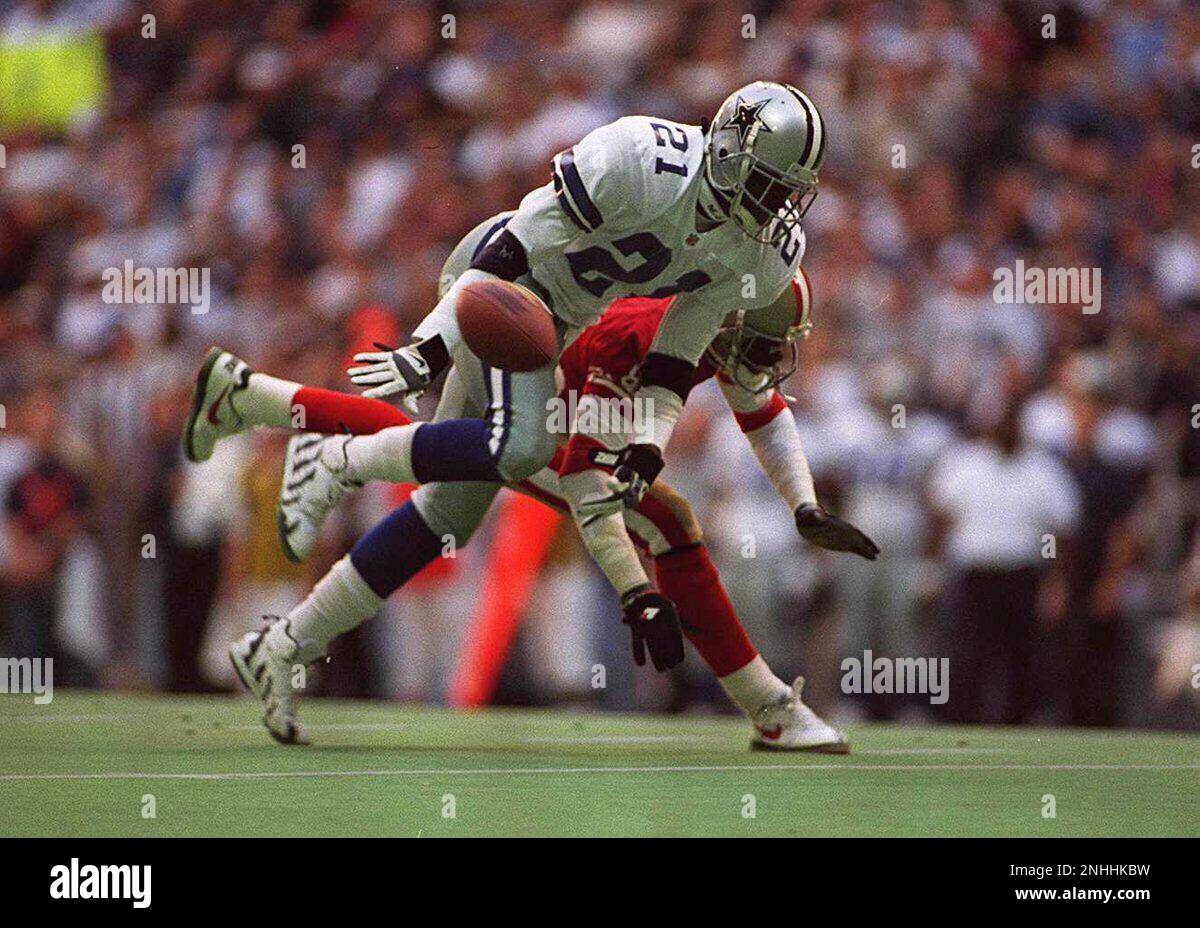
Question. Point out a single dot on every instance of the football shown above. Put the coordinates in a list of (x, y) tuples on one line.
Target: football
[(506, 325)]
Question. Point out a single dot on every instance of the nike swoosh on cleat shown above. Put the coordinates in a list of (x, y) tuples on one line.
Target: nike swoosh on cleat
[(212, 410)]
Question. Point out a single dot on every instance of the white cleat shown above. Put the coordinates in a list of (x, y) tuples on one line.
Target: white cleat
[(790, 725), (222, 376), (265, 660), (314, 480)]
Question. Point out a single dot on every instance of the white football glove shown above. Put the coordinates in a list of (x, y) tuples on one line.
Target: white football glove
[(388, 372)]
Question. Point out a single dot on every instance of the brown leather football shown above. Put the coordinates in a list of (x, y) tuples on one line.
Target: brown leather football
[(506, 325)]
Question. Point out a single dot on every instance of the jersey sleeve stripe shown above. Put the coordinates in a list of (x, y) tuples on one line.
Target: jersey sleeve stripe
[(483, 242), (574, 188), (563, 202)]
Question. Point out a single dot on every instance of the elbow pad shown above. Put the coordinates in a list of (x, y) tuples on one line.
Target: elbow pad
[(668, 372), (503, 256)]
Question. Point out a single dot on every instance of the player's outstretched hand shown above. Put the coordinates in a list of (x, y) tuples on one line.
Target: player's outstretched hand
[(820, 528), (654, 625), (635, 468), (387, 372)]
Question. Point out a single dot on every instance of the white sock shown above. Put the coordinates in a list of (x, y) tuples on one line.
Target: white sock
[(340, 601), (267, 400), (386, 455), (754, 686)]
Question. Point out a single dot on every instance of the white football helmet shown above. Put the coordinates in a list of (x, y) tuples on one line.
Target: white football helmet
[(757, 349)]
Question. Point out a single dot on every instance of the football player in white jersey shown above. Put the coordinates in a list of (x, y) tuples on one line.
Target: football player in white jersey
[(640, 207)]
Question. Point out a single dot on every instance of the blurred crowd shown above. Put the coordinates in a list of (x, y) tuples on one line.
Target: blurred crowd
[(322, 157)]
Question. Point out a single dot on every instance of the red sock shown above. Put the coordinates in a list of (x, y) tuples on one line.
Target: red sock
[(687, 577), (333, 413)]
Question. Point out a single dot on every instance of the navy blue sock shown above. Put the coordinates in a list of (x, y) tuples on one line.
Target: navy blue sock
[(456, 449), (395, 550)]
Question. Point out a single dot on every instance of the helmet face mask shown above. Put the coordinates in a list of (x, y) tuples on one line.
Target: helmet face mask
[(768, 206), (754, 361)]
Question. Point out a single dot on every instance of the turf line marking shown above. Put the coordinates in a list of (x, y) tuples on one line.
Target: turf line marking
[(515, 771), (901, 752), (532, 739), (631, 739), (606, 739)]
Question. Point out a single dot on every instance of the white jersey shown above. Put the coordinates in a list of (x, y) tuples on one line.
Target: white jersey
[(619, 219)]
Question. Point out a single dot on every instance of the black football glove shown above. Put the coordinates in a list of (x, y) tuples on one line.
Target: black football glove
[(638, 466), (635, 468), (827, 531), (654, 625)]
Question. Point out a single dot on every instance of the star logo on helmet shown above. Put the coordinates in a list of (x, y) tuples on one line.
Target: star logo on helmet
[(745, 117)]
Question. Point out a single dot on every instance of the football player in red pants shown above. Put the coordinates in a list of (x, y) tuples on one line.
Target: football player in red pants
[(749, 358)]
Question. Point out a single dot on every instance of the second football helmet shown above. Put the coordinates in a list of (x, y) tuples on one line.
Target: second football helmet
[(757, 349)]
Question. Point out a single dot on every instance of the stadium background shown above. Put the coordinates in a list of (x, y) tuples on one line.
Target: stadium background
[(132, 570)]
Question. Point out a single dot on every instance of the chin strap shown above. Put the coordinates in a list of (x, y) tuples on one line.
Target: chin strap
[(711, 204)]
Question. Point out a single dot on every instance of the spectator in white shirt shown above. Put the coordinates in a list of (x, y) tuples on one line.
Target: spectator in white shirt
[(1006, 515)]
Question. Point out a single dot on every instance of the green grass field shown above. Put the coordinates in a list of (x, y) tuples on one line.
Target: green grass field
[(83, 765)]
